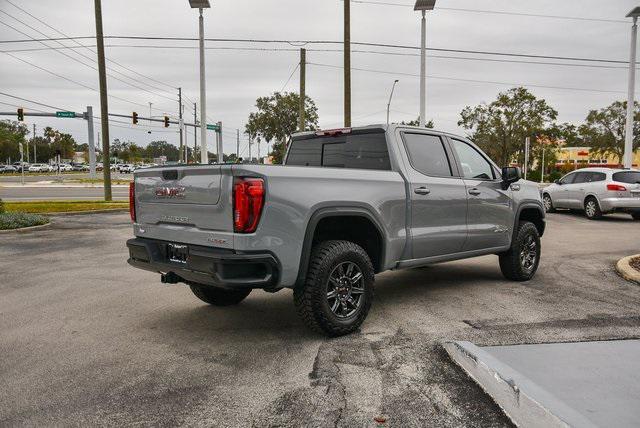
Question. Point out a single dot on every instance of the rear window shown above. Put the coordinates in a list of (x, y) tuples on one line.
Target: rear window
[(631, 177), (358, 151)]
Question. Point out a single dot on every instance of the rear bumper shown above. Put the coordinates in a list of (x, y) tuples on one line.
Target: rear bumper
[(620, 204), (205, 265)]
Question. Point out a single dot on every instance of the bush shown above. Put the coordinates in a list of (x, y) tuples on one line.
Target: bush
[(17, 220), (1, 207)]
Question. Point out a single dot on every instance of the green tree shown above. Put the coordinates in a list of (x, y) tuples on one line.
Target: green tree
[(277, 118), (500, 128), (11, 135), (155, 149), (416, 122), (603, 129), (60, 141)]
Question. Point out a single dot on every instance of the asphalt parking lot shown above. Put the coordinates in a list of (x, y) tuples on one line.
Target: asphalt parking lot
[(86, 340)]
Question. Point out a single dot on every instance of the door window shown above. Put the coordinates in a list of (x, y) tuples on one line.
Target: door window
[(427, 154), (473, 164), (582, 177), (568, 179)]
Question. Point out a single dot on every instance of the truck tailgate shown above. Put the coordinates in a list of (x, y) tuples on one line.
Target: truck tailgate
[(185, 197)]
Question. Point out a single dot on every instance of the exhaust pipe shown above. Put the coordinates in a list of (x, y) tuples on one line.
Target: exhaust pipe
[(170, 278)]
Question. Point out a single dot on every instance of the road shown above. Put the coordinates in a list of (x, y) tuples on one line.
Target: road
[(87, 340), (60, 193), (35, 177)]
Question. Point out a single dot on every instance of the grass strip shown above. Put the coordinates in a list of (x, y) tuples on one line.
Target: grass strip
[(47, 207)]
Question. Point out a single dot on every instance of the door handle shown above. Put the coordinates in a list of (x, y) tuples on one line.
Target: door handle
[(421, 190), (474, 192)]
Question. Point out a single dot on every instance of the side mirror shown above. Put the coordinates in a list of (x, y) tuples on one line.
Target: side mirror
[(510, 174), (557, 182)]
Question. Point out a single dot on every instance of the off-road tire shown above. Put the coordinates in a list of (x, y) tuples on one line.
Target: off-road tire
[(592, 208), (510, 261), (219, 296), (310, 298), (548, 203)]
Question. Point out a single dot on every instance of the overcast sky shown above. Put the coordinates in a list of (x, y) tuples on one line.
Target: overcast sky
[(235, 78)]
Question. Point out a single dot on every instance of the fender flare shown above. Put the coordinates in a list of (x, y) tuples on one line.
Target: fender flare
[(335, 211), (528, 205)]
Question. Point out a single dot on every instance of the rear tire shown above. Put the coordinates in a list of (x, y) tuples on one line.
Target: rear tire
[(520, 263), (548, 203), (592, 208), (636, 215), (338, 290), (219, 296)]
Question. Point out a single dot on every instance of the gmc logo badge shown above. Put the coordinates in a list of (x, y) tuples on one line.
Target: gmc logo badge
[(170, 192)]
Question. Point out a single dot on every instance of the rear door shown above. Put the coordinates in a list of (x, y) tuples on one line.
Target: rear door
[(489, 216), (438, 196), (184, 198)]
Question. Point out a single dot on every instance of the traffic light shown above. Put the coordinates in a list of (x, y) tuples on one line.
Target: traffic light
[(166, 121), (20, 115), (134, 116)]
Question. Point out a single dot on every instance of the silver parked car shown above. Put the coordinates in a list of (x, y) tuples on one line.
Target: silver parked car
[(597, 191)]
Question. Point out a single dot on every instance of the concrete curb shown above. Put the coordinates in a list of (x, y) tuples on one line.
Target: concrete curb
[(522, 400), (105, 211), (26, 229), (627, 271)]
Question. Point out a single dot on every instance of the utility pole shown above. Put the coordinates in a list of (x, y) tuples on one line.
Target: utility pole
[(303, 76), (92, 146), (220, 146), (104, 105), (195, 132), (35, 160), (347, 63), (526, 156), (542, 167), (181, 157), (204, 155), (250, 142), (237, 144), (628, 132)]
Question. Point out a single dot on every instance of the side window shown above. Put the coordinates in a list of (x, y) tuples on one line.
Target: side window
[(427, 154), (568, 179), (582, 177), (367, 151), (474, 165), (598, 176)]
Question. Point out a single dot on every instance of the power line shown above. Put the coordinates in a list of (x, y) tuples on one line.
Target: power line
[(290, 76), (235, 48), (71, 80), (497, 12), (33, 102), (469, 80), (91, 66), (94, 52), (333, 42)]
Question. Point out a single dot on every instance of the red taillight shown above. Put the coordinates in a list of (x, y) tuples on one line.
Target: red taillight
[(248, 199), (616, 187), (132, 201)]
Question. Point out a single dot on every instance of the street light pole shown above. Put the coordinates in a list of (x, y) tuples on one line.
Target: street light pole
[(391, 96), (204, 155), (423, 6), (628, 133)]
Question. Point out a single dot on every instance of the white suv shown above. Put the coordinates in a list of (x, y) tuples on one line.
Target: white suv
[(597, 191)]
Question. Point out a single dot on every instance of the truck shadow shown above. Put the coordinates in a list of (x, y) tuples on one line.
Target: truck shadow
[(265, 316)]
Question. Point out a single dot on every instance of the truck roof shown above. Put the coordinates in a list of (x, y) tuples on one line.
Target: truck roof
[(378, 126)]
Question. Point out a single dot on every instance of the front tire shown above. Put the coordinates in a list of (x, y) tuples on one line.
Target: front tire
[(520, 263), (548, 203), (338, 290), (635, 215), (219, 296), (592, 208)]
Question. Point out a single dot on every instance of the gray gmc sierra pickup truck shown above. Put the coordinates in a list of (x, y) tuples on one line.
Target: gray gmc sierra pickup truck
[(348, 204)]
